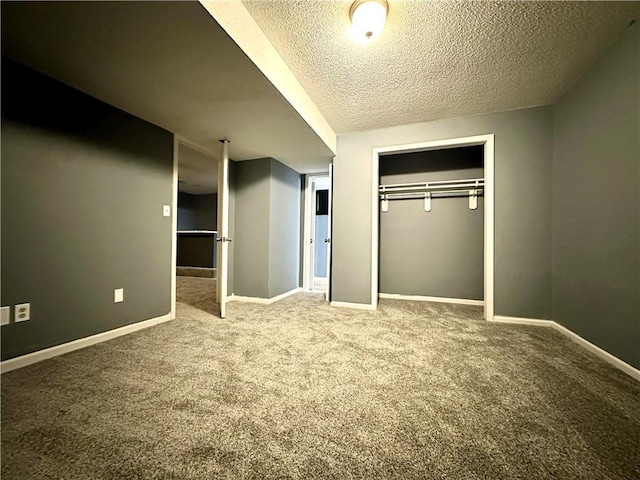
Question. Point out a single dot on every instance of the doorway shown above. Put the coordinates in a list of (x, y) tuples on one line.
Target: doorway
[(378, 203), (431, 225), (195, 221), (317, 251)]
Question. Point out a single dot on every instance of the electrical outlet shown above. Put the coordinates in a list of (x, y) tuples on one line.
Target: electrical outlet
[(166, 210), (118, 295), (5, 315), (22, 312)]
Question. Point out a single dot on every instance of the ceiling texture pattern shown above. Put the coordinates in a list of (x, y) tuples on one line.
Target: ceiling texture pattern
[(439, 59), (174, 65)]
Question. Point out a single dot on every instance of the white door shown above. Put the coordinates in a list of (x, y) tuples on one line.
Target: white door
[(313, 240), (328, 239), (318, 236), (223, 228)]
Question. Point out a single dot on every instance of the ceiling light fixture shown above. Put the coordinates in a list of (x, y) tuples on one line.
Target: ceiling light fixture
[(368, 17)]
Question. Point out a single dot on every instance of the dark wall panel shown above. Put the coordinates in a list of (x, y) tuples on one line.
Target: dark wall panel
[(284, 229), (197, 212), (596, 203), (83, 185), (251, 228)]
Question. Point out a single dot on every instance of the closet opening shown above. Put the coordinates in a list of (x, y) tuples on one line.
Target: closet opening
[(433, 216)]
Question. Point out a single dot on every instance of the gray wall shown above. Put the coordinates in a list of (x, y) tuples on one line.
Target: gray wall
[(438, 253), (267, 233), (284, 229), (522, 212), (596, 203), (186, 214), (83, 186), (321, 248), (251, 235), (197, 212)]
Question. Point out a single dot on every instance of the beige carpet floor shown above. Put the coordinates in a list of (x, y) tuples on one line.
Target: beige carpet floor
[(303, 390)]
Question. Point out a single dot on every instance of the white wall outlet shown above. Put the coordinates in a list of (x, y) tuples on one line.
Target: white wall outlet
[(22, 312), (118, 295), (5, 315), (166, 210)]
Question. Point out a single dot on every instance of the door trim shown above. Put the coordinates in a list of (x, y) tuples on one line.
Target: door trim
[(222, 273), (309, 202), (489, 202), (327, 295), (174, 224)]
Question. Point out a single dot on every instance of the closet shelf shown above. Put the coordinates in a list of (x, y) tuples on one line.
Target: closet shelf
[(473, 187)]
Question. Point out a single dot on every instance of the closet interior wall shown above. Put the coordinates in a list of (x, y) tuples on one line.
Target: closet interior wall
[(439, 253)]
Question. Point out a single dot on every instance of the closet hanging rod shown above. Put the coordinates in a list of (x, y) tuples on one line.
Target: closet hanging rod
[(436, 182), (428, 188), (417, 194), (443, 185)]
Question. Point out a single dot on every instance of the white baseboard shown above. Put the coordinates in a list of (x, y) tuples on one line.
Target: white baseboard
[(31, 358), (264, 301), (599, 352), (523, 321), (422, 298), (603, 354), (359, 306)]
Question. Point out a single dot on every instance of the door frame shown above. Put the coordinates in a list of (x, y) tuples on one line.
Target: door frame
[(308, 229), (222, 242), (489, 204), (327, 295)]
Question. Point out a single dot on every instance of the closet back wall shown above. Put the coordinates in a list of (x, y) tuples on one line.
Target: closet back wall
[(438, 253)]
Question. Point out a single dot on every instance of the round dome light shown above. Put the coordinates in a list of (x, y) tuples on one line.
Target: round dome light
[(368, 17)]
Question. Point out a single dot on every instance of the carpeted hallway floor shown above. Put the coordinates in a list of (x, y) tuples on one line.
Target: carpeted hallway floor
[(302, 390)]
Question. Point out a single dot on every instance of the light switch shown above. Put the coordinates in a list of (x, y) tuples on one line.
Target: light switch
[(5, 315), (118, 295), (166, 210)]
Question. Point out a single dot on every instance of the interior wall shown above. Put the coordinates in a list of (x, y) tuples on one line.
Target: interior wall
[(596, 203), (83, 188), (206, 208), (522, 205), (267, 228), (197, 212), (438, 253), (186, 215), (251, 240), (284, 229)]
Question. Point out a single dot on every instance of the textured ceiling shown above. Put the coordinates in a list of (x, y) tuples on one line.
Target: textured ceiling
[(439, 59)]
